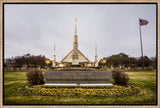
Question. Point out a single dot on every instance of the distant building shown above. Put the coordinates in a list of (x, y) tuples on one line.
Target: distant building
[(75, 58)]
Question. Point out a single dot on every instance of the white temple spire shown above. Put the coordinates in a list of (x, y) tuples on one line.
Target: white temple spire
[(75, 26), (54, 49), (96, 50), (75, 46), (96, 57), (54, 57)]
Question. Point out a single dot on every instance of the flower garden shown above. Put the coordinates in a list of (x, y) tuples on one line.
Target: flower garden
[(106, 91), (142, 91), (37, 87)]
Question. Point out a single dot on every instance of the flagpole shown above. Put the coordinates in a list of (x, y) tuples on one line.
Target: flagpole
[(141, 45)]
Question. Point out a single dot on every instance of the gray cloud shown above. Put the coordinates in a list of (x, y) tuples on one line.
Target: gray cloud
[(114, 28)]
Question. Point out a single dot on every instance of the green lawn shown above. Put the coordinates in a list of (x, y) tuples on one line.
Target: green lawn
[(144, 80)]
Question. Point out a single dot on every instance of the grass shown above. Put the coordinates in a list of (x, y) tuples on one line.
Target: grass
[(144, 80)]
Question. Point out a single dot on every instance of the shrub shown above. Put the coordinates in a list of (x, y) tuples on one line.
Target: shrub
[(35, 77), (120, 78)]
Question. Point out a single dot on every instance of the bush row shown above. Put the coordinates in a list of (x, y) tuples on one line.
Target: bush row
[(36, 77)]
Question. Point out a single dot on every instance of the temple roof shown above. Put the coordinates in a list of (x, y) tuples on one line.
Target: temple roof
[(81, 57)]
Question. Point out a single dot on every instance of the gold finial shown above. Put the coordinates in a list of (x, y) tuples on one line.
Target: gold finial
[(75, 26)]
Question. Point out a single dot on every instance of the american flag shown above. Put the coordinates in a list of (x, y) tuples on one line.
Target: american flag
[(143, 22)]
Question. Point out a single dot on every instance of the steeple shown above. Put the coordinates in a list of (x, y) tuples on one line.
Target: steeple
[(75, 40), (75, 46), (54, 50), (54, 57), (96, 50), (75, 26), (96, 57)]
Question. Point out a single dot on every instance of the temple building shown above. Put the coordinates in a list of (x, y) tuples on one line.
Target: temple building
[(75, 58)]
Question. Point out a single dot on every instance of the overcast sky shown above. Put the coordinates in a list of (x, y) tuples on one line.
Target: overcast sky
[(35, 28)]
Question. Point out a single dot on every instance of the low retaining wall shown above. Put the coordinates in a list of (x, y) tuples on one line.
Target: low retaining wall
[(77, 77)]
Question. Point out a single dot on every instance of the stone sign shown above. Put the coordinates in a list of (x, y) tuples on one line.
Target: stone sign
[(77, 77)]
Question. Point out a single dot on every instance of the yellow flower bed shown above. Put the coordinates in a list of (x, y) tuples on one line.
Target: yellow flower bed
[(113, 91)]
